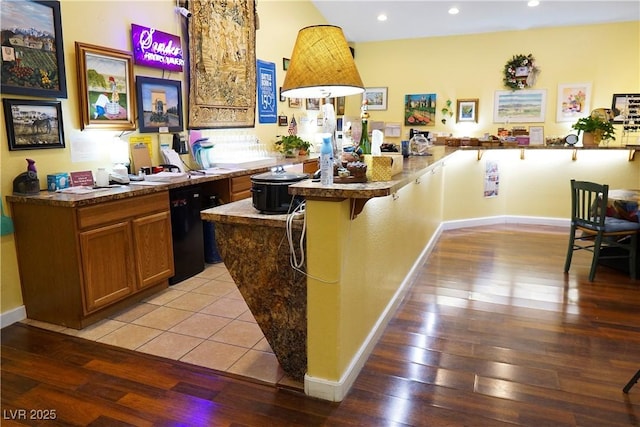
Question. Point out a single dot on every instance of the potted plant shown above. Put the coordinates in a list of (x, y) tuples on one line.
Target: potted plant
[(292, 145), (595, 129)]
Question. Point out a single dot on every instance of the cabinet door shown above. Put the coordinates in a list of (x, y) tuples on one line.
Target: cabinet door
[(153, 248), (108, 266)]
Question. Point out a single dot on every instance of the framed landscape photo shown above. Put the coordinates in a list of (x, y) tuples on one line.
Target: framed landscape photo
[(159, 104), (467, 110), (33, 124), (295, 102), (106, 88), (376, 98), (32, 49), (520, 106)]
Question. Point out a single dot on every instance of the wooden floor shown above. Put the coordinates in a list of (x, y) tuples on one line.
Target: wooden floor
[(492, 333)]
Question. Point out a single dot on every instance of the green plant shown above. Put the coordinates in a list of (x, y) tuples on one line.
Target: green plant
[(291, 144), (601, 128), (446, 111)]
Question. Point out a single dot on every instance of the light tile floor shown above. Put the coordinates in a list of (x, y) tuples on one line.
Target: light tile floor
[(203, 321)]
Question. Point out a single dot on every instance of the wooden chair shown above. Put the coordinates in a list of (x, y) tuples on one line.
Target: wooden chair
[(592, 230), (631, 382)]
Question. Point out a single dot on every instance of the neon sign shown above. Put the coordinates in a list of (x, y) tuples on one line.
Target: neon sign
[(153, 48)]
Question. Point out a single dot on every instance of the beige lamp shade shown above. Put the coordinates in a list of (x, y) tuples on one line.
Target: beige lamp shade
[(321, 65)]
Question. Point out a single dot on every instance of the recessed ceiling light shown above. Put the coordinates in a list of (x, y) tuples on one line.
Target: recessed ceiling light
[(382, 17), (533, 3), (453, 11)]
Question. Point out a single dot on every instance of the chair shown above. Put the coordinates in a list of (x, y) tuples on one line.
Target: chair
[(631, 382), (592, 230)]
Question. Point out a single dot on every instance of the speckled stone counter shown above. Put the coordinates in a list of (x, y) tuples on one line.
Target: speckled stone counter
[(255, 250)]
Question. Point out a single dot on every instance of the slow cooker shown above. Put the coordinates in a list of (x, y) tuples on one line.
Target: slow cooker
[(270, 191)]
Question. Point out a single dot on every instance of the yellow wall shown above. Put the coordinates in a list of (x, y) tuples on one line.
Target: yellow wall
[(108, 24), (471, 66), (356, 266)]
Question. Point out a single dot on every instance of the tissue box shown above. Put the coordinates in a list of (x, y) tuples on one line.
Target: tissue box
[(57, 181), (382, 168)]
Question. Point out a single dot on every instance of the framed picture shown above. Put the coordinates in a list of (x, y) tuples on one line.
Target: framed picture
[(282, 120), (520, 106), (467, 110), (159, 104), (33, 124), (420, 109), (33, 56), (282, 98), (376, 98), (313, 104), (285, 63), (105, 80), (574, 101), (340, 104), (536, 135), (295, 102), (625, 108)]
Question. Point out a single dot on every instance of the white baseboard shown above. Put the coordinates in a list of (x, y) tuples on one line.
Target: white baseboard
[(506, 219), (335, 391), (12, 316)]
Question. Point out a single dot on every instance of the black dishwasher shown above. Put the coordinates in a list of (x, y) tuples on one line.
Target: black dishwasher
[(186, 226)]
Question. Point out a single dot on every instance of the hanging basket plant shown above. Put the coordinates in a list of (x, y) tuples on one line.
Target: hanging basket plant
[(520, 72)]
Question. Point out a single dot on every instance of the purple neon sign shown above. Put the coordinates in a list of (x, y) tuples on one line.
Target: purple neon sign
[(156, 49)]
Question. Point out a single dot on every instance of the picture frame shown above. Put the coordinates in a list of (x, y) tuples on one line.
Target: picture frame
[(520, 106), (376, 98), (313, 103), (159, 104), (625, 108), (282, 98), (340, 105), (285, 63), (536, 135), (33, 124), (106, 88), (295, 102), (573, 102), (420, 109), (46, 56), (467, 110), (283, 120)]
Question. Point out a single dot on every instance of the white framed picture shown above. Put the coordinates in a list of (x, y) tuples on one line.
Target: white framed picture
[(574, 101), (519, 106), (376, 98)]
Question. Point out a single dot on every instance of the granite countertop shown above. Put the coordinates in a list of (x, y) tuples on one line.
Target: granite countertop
[(413, 168), (133, 189), (243, 212)]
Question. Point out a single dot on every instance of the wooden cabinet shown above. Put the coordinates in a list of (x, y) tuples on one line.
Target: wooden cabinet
[(230, 189), (80, 264), (310, 166)]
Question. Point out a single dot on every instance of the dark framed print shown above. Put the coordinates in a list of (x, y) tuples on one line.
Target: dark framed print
[(33, 124), (282, 120), (625, 108), (32, 49), (159, 104), (285, 63), (105, 80)]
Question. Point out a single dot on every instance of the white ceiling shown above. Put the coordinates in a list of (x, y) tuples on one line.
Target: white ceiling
[(429, 18)]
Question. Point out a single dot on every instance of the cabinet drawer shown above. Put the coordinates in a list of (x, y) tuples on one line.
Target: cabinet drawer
[(118, 210), (240, 184)]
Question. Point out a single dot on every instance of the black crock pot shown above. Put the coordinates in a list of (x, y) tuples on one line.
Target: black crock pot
[(270, 191)]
